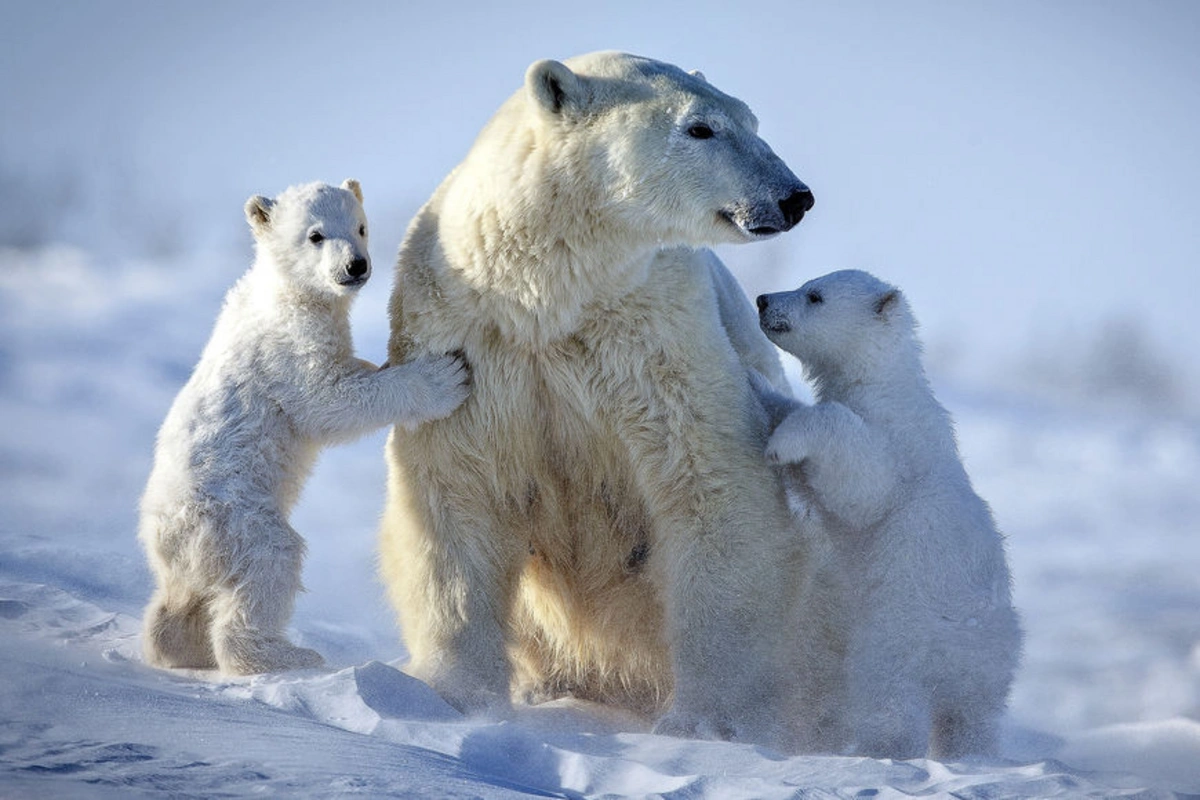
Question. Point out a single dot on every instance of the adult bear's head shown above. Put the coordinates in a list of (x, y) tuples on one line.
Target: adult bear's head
[(583, 175), (669, 153)]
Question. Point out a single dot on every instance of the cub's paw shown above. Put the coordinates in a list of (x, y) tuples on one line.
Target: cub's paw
[(252, 656), (439, 385), (786, 447), (299, 658)]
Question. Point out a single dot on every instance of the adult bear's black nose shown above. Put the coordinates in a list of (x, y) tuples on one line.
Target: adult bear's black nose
[(762, 302), (795, 205), (358, 267)]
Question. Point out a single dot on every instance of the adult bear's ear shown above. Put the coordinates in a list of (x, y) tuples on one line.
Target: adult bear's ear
[(258, 213), (554, 87), (887, 303), (697, 74), (353, 187)]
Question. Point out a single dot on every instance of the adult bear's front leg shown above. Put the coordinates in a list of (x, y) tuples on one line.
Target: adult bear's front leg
[(727, 559), (729, 593), (450, 580)]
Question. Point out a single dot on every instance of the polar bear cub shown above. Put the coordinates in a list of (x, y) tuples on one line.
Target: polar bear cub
[(934, 639), (277, 380)]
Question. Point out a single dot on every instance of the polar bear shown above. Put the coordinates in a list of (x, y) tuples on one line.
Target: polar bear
[(597, 518), (934, 639), (277, 380)]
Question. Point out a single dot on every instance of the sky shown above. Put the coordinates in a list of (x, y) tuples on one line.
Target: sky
[(1023, 170)]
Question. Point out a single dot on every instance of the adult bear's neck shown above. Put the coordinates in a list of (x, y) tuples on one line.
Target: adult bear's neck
[(537, 243)]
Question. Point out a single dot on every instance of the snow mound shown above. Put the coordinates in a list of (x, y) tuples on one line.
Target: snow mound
[(86, 717)]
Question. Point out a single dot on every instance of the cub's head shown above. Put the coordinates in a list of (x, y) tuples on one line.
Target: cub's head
[(846, 323), (316, 236), (663, 151)]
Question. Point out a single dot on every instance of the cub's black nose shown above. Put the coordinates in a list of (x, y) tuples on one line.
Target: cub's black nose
[(762, 302), (795, 205), (358, 267)]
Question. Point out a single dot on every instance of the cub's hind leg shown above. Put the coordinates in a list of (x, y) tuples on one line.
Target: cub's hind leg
[(176, 631), (251, 611)]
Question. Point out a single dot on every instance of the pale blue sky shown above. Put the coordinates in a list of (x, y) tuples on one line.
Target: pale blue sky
[(1012, 165)]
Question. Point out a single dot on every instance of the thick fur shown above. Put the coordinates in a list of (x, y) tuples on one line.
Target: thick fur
[(277, 380), (934, 639), (597, 519)]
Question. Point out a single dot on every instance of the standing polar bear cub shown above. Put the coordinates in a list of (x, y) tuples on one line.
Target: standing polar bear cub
[(277, 380), (597, 518), (934, 639)]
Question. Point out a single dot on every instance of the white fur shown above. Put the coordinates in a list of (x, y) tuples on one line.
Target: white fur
[(934, 640), (277, 380), (741, 325), (597, 518)]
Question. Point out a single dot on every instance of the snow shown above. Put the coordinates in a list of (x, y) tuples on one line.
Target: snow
[(1025, 171), (1098, 505), (84, 719)]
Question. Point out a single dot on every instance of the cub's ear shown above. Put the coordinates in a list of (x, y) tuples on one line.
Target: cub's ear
[(554, 87), (887, 303), (353, 187), (698, 74), (258, 213)]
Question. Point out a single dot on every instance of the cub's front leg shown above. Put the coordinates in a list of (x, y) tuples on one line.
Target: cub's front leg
[(777, 405), (845, 462), (350, 399), (807, 432)]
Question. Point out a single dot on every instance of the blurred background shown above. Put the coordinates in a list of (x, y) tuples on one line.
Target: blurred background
[(1025, 171)]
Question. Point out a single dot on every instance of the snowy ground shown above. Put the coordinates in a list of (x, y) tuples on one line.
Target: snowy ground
[(1099, 503)]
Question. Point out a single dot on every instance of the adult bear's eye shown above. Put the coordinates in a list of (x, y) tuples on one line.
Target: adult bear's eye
[(700, 131), (362, 230), (315, 237), (814, 297)]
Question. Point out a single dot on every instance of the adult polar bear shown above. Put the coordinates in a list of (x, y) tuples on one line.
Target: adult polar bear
[(597, 519)]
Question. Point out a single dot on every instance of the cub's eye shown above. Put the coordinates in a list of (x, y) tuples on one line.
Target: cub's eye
[(814, 297), (315, 237), (700, 131), (362, 230)]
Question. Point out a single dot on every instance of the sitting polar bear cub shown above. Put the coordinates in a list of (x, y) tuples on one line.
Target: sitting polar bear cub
[(277, 380), (934, 639)]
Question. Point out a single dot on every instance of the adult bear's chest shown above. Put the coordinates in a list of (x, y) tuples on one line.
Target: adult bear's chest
[(577, 396), (560, 430), (559, 419)]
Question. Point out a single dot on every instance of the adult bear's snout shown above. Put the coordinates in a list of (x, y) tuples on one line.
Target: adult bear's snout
[(795, 205), (763, 301)]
